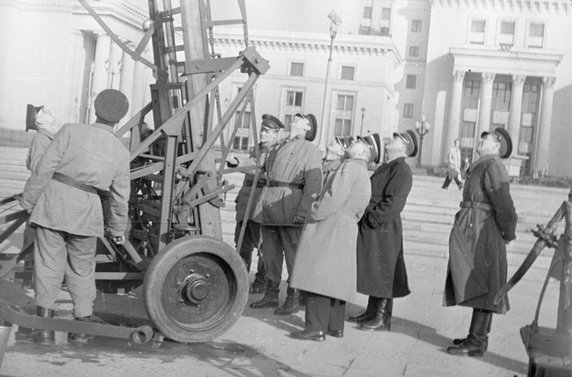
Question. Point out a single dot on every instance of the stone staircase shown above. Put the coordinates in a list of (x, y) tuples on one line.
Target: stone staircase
[(427, 218)]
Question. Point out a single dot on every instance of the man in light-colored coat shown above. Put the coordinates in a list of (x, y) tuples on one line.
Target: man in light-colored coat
[(325, 266), (454, 166), (62, 196), (294, 174)]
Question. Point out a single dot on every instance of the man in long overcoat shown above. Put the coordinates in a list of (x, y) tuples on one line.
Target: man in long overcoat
[(483, 226), (62, 196), (381, 268), (325, 266), (294, 175)]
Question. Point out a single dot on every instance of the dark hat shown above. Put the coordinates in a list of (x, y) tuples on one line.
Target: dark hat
[(505, 141), (31, 112), (111, 105), (313, 131), (410, 140), (271, 122), (374, 143), (344, 141)]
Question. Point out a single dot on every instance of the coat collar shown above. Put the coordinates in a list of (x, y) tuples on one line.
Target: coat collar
[(481, 159), (104, 127)]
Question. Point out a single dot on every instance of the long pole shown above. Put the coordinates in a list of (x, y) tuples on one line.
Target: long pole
[(323, 134)]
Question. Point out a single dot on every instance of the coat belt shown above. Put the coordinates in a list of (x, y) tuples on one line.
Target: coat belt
[(261, 183), (477, 205), (286, 184), (73, 183)]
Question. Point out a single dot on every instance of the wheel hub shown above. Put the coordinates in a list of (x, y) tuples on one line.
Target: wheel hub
[(195, 288)]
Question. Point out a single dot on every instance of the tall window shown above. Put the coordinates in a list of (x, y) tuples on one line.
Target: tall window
[(293, 105), (367, 11), (344, 115), (535, 35), (385, 13), (507, 29), (347, 72), (411, 81), (529, 121), (477, 33), (501, 96), (467, 128), (416, 26), (408, 109), (240, 142), (296, 69), (413, 51)]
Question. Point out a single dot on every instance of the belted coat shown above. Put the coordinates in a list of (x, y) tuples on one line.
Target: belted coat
[(381, 268), (91, 155), (294, 174), (325, 260), (486, 222)]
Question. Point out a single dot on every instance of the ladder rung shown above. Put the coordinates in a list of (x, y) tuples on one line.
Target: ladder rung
[(169, 49), (170, 12), (228, 22)]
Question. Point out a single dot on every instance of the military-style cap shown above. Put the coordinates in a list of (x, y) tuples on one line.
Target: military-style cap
[(374, 143), (111, 105), (505, 141), (271, 122), (312, 127), (410, 140), (344, 141)]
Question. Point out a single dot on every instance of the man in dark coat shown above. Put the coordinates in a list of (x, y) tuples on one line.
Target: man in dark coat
[(483, 226), (381, 269)]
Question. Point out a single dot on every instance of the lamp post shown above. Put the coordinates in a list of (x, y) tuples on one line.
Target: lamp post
[(335, 21), (422, 129), (362, 116)]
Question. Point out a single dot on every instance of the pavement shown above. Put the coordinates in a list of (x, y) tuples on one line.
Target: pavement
[(259, 345)]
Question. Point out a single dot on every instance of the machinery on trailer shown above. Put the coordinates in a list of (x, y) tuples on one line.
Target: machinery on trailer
[(195, 285)]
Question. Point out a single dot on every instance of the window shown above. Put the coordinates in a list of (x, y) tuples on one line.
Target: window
[(507, 29), (408, 110), (416, 26), (410, 81), (344, 115), (347, 72), (384, 31), (477, 34), (292, 105), (385, 13), (297, 69), (367, 11), (535, 35), (294, 98), (240, 142), (364, 30), (413, 51)]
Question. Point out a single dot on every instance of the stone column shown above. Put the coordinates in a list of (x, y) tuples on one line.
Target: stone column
[(100, 80), (126, 80), (140, 87), (452, 131), (114, 67), (543, 143), (485, 96), (515, 110)]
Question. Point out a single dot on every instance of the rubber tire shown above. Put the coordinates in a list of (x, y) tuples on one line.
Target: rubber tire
[(162, 264)]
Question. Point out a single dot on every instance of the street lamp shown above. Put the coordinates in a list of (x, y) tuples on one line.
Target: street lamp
[(422, 129), (362, 116), (335, 21)]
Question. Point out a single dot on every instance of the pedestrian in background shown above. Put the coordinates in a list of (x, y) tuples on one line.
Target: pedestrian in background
[(62, 196), (381, 268), (269, 131), (454, 166), (486, 222), (294, 174), (325, 266)]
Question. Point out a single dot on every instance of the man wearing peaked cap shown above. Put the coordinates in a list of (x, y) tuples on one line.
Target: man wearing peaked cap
[(381, 267), (334, 155), (374, 143), (486, 196), (271, 122), (82, 162)]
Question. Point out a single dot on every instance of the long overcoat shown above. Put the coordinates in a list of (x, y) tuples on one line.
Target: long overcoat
[(325, 260), (294, 173), (486, 222), (380, 265), (91, 155)]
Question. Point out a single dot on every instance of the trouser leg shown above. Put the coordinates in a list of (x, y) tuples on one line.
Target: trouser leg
[(458, 182), (50, 259), (80, 273), (337, 314), (317, 312), (447, 182), (290, 235), (272, 253), (249, 241)]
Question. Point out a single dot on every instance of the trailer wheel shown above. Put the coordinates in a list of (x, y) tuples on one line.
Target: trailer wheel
[(195, 289)]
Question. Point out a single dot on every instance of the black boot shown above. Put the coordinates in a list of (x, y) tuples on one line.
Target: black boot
[(292, 303), (477, 341), (44, 337), (458, 341), (369, 311), (270, 299), (259, 283), (382, 316)]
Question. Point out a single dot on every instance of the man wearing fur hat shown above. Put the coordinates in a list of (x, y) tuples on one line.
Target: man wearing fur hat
[(62, 196), (381, 268), (483, 226), (294, 174)]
